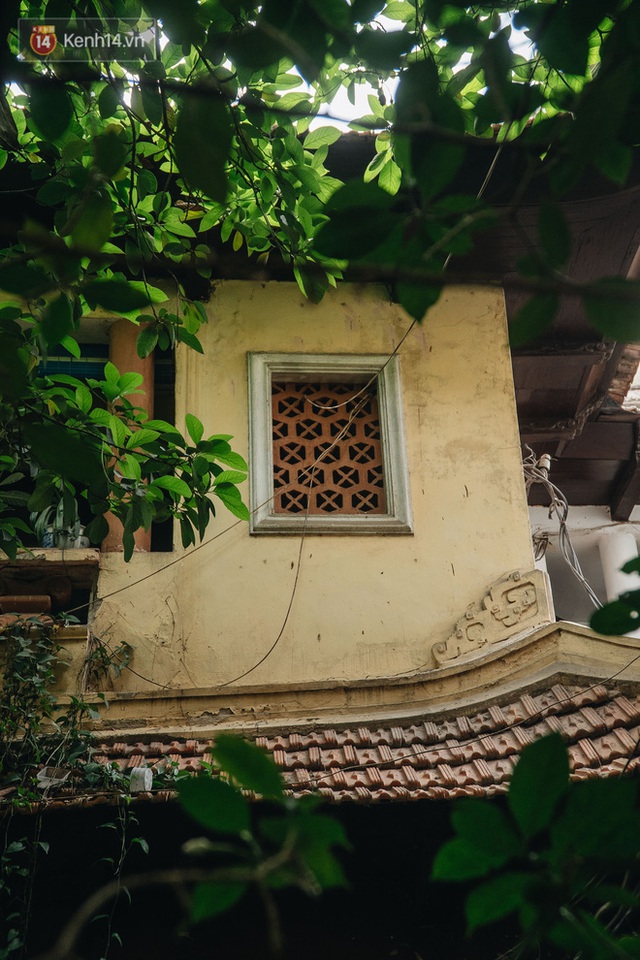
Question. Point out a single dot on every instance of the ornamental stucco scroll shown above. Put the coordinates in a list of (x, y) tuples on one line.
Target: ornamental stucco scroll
[(510, 606)]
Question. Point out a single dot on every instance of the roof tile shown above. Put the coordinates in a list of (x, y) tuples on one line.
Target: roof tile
[(472, 754)]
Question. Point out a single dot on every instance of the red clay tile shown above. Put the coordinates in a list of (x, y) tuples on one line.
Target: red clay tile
[(554, 724), (472, 754), (431, 734)]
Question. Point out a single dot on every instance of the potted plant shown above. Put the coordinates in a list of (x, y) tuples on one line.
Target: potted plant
[(56, 527)]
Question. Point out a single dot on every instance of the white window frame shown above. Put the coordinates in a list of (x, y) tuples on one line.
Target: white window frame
[(263, 369)]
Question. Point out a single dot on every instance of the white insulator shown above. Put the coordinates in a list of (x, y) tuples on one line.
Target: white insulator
[(141, 780), (616, 547)]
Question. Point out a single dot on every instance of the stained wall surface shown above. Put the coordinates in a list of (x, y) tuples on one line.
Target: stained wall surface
[(363, 607)]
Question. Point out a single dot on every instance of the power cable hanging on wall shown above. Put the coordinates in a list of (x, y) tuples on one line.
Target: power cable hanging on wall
[(311, 469), (536, 470)]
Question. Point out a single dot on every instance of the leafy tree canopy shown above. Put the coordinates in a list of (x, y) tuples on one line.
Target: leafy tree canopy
[(160, 158)]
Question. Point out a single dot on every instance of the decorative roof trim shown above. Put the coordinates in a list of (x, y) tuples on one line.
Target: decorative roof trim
[(469, 754), (559, 652), (516, 601)]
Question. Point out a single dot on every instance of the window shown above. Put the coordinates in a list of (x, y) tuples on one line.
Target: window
[(327, 448)]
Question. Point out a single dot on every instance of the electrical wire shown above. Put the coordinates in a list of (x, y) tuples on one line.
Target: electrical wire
[(540, 715), (308, 470), (232, 526), (422, 751), (312, 468), (311, 472), (536, 470)]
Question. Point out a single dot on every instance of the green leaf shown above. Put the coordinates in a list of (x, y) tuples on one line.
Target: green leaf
[(152, 104), (187, 533), (631, 946), (232, 499), (130, 468), (614, 308), (72, 346), (418, 92), (24, 279), (51, 107), (358, 195), (533, 319), (57, 320), (141, 437), (64, 451), (539, 781), (351, 234), (174, 485), (93, 223), (175, 223), (202, 142), (363, 11), (316, 834), (214, 804), (360, 220), (190, 340), (146, 341), (417, 298), (181, 22), (230, 476), (84, 398), (390, 177), (211, 899), (231, 459), (97, 530), (561, 32), (109, 153), (600, 822), (321, 137), (129, 382), (461, 860), (194, 427), (618, 617), (615, 162), (153, 294), (111, 372), (212, 217), (54, 191), (496, 898), (383, 49), (249, 766), (118, 430), (108, 102), (434, 162), (116, 295), (482, 823), (312, 283)]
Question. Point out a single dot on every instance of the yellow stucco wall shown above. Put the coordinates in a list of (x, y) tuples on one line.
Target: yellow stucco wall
[(365, 606)]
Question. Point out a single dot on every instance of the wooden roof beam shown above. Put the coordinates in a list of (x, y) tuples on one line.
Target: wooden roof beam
[(627, 492)]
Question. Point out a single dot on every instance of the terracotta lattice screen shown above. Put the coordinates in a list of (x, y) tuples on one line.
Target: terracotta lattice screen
[(312, 420)]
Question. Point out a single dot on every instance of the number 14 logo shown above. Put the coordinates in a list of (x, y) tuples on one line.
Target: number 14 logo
[(43, 39)]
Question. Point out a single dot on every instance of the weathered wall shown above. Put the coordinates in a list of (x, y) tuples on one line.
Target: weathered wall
[(365, 607)]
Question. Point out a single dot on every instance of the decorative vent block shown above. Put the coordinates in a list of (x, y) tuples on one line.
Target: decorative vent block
[(327, 453), (327, 446)]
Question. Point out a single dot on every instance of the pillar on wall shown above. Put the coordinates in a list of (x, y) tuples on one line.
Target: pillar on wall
[(123, 355)]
